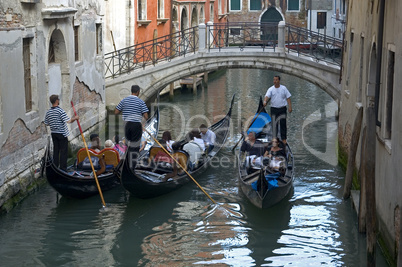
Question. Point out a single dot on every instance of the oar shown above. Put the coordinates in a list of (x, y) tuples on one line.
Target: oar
[(202, 189), (89, 157), (241, 138)]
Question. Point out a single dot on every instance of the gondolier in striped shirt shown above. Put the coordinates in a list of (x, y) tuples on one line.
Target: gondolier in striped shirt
[(57, 119), (135, 114)]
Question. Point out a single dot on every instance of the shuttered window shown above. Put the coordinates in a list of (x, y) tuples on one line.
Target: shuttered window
[(27, 73), (255, 4), (235, 5), (293, 5)]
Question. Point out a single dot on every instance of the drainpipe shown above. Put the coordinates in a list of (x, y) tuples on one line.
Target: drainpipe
[(379, 59)]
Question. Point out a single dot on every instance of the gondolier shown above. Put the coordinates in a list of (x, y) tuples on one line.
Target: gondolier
[(135, 114), (57, 119), (280, 98)]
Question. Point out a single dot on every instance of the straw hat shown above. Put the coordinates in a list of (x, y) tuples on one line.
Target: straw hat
[(109, 143)]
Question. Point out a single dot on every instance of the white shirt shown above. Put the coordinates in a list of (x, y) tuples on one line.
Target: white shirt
[(209, 137), (169, 145), (194, 151), (200, 142), (278, 96)]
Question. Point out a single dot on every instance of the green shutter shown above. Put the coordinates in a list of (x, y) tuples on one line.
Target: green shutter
[(234, 4), (293, 4), (255, 4)]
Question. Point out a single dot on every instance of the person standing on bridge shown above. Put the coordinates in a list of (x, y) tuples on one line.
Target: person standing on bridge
[(135, 114), (280, 98)]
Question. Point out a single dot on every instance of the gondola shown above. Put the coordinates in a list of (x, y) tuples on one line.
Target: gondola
[(78, 183), (265, 186), (147, 179)]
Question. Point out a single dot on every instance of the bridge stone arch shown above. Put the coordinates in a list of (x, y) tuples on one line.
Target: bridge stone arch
[(154, 78)]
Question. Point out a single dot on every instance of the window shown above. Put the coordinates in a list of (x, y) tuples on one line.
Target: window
[(321, 20), (234, 31), (211, 15), (161, 9), (255, 4), (51, 57), (76, 43), (98, 38), (219, 7), (389, 94), (350, 52), (235, 5), (359, 95), (293, 5), (27, 73), (142, 10)]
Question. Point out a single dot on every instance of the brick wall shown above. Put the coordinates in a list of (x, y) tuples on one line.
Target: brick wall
[(20, 155), (9, 19)]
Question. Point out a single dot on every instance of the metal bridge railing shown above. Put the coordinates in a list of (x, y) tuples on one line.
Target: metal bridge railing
[(242, 34), (151, 52), (224, 35), (313, 44)]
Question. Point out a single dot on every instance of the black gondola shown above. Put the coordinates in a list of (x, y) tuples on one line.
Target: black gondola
[(265, 187), (146, 181), (78, 183)]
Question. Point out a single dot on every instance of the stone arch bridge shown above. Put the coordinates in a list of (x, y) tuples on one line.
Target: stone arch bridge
[(210, 48)]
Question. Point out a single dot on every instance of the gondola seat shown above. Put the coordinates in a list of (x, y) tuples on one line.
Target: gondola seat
[(163, 162), (110, 155)]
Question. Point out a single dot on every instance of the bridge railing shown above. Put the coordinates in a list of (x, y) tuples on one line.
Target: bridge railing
[(151, 52), (287, 38), (313, 44), (242, 34)]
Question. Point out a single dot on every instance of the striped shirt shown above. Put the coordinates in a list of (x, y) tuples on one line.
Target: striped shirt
[(132, 108), (57, 119)]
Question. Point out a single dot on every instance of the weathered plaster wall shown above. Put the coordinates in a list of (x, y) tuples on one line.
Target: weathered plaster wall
[(23, 136)]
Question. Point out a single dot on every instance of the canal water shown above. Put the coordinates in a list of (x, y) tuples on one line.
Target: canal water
[(313, 226)]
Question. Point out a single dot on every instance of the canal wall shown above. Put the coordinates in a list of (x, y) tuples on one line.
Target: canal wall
[(371, 81), (45, 48)]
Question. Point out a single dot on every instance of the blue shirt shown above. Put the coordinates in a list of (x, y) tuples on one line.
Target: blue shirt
[(57, 119), (132, 108)]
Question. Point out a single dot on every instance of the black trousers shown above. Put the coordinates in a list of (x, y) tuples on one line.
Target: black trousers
[(60, 150), (133, 133), (278, 116)]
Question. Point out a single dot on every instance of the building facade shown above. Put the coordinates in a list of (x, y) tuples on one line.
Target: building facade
[(371, 82), (46, 47)]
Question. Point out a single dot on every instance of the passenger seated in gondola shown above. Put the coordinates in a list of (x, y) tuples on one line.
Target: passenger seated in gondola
[(208, 136), (275, 153), (194, 148), (119, 146), (255, 150), (167, 137), (161, 157), (109, 143), (95, 142)]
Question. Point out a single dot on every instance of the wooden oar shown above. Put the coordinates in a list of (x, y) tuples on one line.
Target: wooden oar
[(167, 152), (241, 138), (89, 157)]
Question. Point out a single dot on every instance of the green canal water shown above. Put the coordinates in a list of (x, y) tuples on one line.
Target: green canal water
[(313, 226)]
